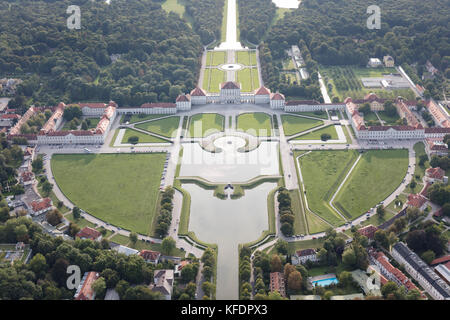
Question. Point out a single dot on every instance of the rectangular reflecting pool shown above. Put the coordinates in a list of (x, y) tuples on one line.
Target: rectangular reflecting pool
[(228, 223)]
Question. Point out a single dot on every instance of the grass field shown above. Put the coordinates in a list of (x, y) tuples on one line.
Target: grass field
[(173, 6), (244, 76), (299, 224), (419, 149), (215, 58), (165, 127), (315, 225), (315, 135), (254, 122), (212, 79), (211, 122), (321, 114), (143, 138), (293, 124), (378, 174), (141, 117), (247, 58), (121, 189), (389, 120), (93, 123), (81, 222), (322, 172), (255, 78)]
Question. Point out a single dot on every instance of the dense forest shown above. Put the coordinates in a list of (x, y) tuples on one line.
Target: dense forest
[(130, 51), (255, 18), (335, 31), (207, 15)]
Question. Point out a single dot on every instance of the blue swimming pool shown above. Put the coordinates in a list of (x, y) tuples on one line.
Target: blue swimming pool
[(325, 282)]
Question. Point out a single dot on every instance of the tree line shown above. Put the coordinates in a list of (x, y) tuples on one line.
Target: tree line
[(207, 16), (255, 18), (131, 52)]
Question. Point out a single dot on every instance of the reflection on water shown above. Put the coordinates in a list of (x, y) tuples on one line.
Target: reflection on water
[(228, 223)]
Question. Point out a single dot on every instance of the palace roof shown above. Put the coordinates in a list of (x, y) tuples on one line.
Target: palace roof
[(230, 85)]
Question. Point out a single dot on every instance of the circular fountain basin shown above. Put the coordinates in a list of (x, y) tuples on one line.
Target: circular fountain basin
[(230, 67), (229, 143)]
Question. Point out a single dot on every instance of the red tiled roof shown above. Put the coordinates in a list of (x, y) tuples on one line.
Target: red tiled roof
[(416, 200), (230, 85), (277, 96), (74, 132), (263, 91), (10, 116), (437, 130), (382, 259), (159, 105), (397, 128), (435, 173), (198, 92), (149, 255), (305, 252), (41, 204), (88, 233), (368, 231), (301, 102), (27, 176), (92, 105), (440, 260), (86, 292), (182, 98)]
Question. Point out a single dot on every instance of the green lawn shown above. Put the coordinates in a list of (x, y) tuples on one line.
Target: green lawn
[(121, 189), (255, 78), (216, 78), (81, 222), (322, 172), (93, 123), (371, 116), (143, 138), (299, 222), (142, 245), (244, 76), (402, 197), (143, 117), (215, 58), (293, 124), (173, 6), (247, 58), (210, 123), (319, 114), (315, 135), (258, 123), (376, 176), (315, 225), (120, 239), (165, 127), (389, 120), (419, 149), (305, 244)]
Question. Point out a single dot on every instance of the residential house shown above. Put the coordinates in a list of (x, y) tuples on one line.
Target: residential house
[(163, 283), (368, 231), (150, 256), (277, 283), (85, 291), (421, 272), (417, 200), (301, 256), (388, 61), (435, 174), (89, 233), (41, 206), (374, 63)]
